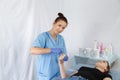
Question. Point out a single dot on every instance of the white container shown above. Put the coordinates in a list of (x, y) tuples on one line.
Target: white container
[(88, 52), (95, 44), (81, 51), (110, 49), (96, 53)]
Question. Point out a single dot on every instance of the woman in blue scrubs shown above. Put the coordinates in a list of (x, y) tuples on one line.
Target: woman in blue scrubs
[(48, 46)]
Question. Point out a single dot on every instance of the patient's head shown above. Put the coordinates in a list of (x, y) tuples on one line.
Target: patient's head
[(103, 66)]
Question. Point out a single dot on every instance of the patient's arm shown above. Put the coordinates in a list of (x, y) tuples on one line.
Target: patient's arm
[(62, 69), (61, 65), (107, 78)]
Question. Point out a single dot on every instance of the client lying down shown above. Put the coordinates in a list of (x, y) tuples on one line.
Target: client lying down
[(100, 72)]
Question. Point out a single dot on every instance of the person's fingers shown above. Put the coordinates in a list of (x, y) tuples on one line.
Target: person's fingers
[(62, 56)]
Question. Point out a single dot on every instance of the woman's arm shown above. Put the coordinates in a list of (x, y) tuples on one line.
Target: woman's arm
[(36, 50)]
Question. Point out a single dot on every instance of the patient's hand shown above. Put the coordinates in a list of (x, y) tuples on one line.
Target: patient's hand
[(62, 56), (107, 78)]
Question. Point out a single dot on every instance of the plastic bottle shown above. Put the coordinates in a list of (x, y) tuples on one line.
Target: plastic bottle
[(96, 49), (101, 47), (95, 44), (110, 49)]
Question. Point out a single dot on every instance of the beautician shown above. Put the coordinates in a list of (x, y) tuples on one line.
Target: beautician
[(48, 46)]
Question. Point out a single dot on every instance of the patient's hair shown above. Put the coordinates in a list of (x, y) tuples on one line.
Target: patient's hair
[(61, 17), (108, 68)]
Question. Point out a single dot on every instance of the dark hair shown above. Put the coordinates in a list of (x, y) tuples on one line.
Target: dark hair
[(108, 67), (61, 17)]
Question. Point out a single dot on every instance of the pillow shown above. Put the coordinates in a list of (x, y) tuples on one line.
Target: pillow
[(111, 59), (115, 74), (115, 70)]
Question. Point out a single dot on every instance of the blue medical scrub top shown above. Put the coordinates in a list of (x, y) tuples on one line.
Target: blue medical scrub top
[(47, 64)]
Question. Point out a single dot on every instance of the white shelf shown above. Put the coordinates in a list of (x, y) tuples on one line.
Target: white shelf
[(79, 59)]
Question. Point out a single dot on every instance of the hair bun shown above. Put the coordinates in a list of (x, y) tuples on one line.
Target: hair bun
[(60, 15)]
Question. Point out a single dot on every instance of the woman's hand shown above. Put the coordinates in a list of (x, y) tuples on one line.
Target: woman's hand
[(56, 51)]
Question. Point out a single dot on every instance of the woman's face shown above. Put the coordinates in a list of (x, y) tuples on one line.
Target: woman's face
[(102, 64), (59, 26)]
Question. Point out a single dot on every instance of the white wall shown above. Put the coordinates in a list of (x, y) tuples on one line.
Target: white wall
[(91, 20)]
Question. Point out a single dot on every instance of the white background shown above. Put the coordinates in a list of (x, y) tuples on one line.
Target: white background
[(22, 20)]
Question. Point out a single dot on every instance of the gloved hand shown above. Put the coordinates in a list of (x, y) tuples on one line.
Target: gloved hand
[(59, 52), (65, 58), (56, 50)]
